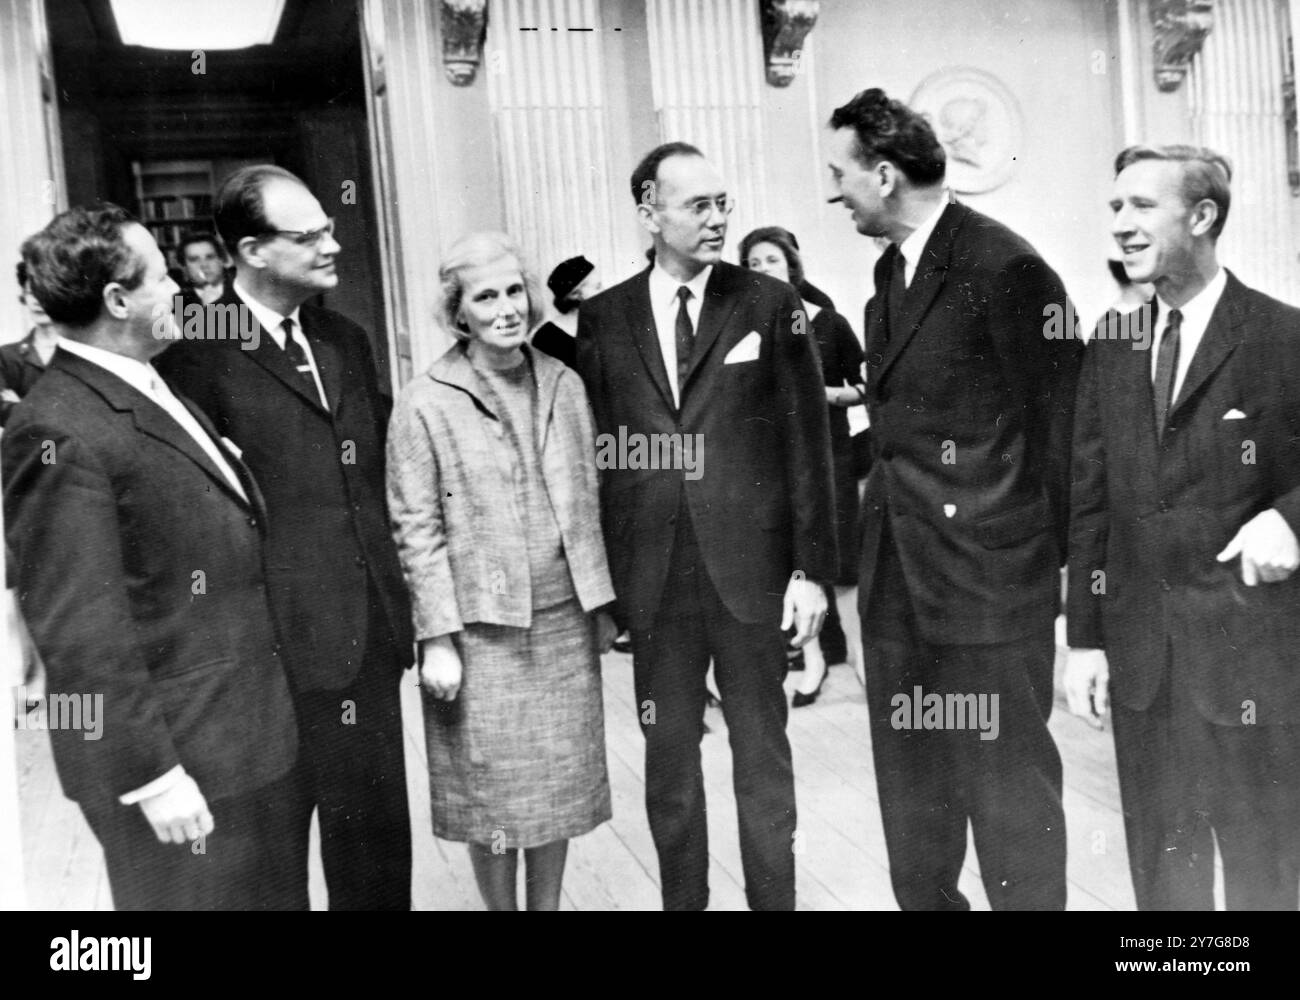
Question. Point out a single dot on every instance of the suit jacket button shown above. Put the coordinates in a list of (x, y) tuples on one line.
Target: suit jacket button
[(359, 560), (1164, 506), (1164, 585)]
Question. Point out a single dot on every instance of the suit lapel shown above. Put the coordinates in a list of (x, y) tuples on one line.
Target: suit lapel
[(271, 356), (150, 418), (328, 363), (719, 303), (641, 326), (254, 494), (1220, 339), (927, 282)]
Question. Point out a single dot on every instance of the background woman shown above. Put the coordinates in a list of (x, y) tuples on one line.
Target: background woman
[(492, 492), (774, 251), (571, 283)]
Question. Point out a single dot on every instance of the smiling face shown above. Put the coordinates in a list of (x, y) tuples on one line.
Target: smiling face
[(858, 186), (769, 259), (1156, 230), (494, 307), (688, 218), (302, 262)]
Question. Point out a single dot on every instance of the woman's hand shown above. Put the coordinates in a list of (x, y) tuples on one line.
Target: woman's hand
[(440, 668), (606, 632)]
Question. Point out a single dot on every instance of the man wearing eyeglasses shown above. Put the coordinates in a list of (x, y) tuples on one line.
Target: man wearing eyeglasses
[(305, 407), (712, 566)]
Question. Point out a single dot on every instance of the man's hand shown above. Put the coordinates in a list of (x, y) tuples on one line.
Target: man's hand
[(804, 608), (179, 814), (606, 632), (440, 668), (1087, 676), (1268, 549)]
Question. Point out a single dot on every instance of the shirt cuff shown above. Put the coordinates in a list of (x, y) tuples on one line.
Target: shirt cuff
[(156, 787)]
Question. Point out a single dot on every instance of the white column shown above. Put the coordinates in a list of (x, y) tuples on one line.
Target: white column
[(545, 80), (1235, 92), (707, 69)]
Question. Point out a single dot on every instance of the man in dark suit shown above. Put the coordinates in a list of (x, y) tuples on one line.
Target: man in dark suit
[(1182, 594), (137, 541), (714, 565), (302, 399), (963, 522)]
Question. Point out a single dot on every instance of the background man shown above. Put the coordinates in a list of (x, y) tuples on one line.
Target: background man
[(205, 271), (1182, 602), (306, 409), (137, 543), (963, 518), (715, 566), (22, 363)]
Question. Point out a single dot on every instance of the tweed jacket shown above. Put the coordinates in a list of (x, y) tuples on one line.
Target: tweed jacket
[(451, 496)]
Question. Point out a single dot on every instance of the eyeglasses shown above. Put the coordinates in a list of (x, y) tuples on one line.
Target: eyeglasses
[(702, 207), (304, 237)]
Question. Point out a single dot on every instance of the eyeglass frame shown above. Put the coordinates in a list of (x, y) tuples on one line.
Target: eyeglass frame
[(303, 237), (726, 204)]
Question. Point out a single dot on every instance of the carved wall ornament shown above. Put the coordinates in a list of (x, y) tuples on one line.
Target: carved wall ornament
[(786, 24), (464, 27), (1180, 27)]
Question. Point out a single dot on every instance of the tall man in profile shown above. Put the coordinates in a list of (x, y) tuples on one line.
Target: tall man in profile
[(137, 541), (305, 406), (716, 565), (964, 520), (1183, 601)]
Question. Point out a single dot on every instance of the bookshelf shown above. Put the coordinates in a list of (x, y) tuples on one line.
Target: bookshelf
[(173, 197)]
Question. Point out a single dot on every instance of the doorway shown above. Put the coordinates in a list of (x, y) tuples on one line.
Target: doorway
[(157, 130)]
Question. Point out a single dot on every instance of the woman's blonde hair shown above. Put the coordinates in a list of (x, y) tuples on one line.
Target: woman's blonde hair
[(476, 250)]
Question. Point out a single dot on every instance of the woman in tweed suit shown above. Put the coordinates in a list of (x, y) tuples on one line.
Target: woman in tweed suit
[(493, 496)]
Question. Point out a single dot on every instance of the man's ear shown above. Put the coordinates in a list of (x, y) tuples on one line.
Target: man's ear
[(114, 296), (249, 250), (645, 214), (888, 178), (1205, 213)]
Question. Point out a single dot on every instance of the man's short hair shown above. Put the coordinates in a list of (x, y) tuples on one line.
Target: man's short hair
[(1206, 174), (784, 241), (476, 250), (196, 236), (646, 175), (890, 130), (239, 210), (75, 257)]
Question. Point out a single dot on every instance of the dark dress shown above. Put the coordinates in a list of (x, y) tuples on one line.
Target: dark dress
[(841, 357), (558, 344), (20, 367)]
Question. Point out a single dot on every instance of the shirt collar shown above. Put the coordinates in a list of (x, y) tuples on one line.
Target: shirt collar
[(1199, 308), (663, 286), (136, 374), (269, 319), (915, 243)]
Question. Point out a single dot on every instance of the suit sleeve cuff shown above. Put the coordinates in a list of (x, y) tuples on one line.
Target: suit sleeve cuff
[(159, 785)]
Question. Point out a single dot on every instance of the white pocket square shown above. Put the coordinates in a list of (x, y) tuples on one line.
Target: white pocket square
[(746, 350), (1234, 414)]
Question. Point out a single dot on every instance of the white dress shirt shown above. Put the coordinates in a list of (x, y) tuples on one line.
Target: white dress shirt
[(664, 303), (270, 321), (1196, 319), (912, 247)]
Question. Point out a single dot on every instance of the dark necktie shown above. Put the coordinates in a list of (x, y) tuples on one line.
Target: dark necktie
[(685, 339), (298, 358), (897, 290), (1166, 370)]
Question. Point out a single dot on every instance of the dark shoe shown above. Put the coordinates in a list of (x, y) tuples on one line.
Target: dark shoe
[(800, 699), (794, 659), (623, 644)]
